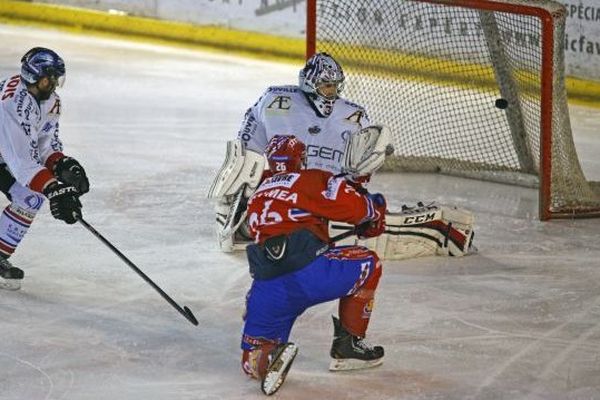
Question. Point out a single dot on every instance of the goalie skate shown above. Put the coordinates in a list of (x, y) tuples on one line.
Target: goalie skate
[(279, 366), (10, 276)]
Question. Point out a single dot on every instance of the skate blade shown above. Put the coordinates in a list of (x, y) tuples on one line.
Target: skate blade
[(349, 364), (10, 284), (278, 370)]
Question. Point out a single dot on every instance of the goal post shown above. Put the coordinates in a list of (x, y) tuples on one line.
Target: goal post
[(473, 88)]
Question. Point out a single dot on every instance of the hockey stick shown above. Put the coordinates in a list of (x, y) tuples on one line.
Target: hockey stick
[(186, 312), (343, 235)]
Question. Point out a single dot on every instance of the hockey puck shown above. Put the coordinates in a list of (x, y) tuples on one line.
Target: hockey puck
[(389, 149), (501, 103)]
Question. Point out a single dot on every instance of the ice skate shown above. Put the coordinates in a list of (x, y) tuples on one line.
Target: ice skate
[(280, 362), (350, 352), (10, 276)]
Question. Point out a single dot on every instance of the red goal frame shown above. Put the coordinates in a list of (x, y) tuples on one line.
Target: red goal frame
[(547, 19)]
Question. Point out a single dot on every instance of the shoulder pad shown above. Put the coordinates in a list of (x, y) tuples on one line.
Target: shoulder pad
[(351, 104), (283, 89)]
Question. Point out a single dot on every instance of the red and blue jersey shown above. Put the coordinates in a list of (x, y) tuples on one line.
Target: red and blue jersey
[(308, 199)]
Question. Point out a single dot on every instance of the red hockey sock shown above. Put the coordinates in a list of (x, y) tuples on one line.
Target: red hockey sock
[(355, 310)]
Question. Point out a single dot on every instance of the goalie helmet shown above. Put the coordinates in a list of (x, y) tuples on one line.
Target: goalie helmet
[(41, 62), (322, 79), (285, 154)]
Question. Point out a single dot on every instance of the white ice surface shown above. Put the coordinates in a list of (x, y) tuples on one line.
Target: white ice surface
[(520, 320)]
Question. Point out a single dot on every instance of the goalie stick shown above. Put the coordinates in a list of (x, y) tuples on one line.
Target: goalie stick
[(186, 312)]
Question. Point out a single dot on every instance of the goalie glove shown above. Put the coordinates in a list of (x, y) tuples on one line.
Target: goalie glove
[(366, 150)]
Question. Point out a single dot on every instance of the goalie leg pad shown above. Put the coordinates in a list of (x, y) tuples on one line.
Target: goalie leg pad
[(231, 226), (420, 231)]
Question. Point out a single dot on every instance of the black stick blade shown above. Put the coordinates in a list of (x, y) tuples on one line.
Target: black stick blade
[(190, 316)]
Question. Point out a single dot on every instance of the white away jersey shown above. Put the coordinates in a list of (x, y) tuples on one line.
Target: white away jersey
[(28, 131), (285, 110)]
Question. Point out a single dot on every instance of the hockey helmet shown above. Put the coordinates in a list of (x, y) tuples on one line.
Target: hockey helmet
[(285, 154), (322, 79), (41, 62)]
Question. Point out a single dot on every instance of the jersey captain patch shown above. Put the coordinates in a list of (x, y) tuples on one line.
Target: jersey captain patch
[(55, 107)]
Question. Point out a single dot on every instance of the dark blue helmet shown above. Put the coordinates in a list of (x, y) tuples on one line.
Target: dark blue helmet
[(40, 62)]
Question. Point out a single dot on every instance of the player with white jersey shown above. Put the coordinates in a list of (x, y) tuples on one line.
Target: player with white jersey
[(287, 109), (311, 111), (32, 164)]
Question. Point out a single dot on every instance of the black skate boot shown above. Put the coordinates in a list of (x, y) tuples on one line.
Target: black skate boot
[(10, 276), (352, 352), (280, 362)]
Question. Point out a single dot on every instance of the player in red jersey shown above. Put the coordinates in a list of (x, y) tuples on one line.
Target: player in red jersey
[(295, 266)]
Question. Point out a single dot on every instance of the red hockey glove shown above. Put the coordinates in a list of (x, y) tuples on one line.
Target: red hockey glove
[(376, 226)]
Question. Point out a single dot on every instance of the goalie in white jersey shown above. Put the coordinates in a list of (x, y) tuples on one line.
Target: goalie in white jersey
[(339, 138), (32, 164), (313, 111)]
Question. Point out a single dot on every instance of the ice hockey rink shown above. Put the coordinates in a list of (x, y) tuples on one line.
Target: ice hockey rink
[(518, 320)]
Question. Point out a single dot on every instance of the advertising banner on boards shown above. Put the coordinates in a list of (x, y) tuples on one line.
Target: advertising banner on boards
[(288, 18)]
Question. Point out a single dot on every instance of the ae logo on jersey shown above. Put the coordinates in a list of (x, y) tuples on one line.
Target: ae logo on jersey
[(280, 103)]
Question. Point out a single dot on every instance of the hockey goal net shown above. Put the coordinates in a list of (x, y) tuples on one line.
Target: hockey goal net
[(468, 87)]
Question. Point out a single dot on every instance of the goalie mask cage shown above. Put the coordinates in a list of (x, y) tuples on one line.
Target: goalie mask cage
[(472, 88)]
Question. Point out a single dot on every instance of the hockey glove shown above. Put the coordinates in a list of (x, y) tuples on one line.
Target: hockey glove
[(69, 171), (64, 202), (376, 226)]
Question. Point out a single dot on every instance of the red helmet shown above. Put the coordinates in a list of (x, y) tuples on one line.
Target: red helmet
[(285, 154)]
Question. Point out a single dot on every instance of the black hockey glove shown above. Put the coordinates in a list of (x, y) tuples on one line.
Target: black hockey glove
[(68, 170), (64, 202)]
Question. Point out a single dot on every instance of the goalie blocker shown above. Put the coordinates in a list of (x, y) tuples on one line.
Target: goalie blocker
[(235, 182), (424, 230)]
